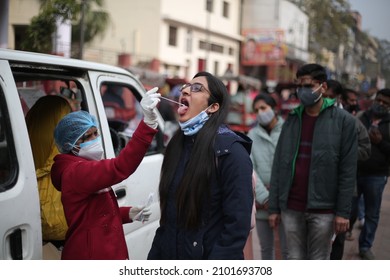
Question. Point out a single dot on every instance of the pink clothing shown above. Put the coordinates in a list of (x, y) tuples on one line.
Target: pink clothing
[(91, 209)]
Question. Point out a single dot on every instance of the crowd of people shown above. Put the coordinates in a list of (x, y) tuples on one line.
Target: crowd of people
[(305, 169), (330, 167)]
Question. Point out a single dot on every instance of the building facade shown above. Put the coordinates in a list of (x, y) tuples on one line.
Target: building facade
[(275, 40), (172, 37)]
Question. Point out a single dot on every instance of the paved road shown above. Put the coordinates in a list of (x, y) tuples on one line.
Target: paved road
[(381, 247)]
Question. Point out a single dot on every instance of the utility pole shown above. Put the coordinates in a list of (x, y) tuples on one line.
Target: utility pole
[(82, 27), (208, 47), (4, 19)]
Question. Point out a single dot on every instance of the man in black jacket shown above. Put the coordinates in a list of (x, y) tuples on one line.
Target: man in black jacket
[(372, 173), (345, 99), (314, 169)]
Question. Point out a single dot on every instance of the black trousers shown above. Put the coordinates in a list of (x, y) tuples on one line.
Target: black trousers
[(338, 243)]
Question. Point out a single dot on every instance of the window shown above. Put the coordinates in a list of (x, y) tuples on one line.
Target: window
[(30, 90), (231, 51), (20, 35), (189, 41), (203, 45), (213, 47), (216, 48), (172, 36), (209, 5), (216, 67), (8, 166), (225, 11), (124, 113)]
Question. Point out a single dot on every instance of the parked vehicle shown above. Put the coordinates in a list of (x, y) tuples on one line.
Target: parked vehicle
[(24, 78)]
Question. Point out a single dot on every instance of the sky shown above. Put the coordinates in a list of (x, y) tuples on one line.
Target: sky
[(375, 16)]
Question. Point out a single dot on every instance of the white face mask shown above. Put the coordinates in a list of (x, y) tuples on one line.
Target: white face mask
[(265, 117), (92, 150)]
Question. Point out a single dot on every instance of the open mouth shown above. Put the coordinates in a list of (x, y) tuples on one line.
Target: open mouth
[(183, 109)]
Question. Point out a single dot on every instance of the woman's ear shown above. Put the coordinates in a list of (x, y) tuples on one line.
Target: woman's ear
[(213, 108)]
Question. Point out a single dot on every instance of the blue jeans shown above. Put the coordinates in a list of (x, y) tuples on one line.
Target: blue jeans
[(372, 189), (308, 235), (361, 208)]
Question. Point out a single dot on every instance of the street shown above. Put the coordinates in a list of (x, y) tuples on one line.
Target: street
[(381, 248)]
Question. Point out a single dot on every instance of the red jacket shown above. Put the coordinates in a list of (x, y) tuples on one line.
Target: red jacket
[(91, 209)]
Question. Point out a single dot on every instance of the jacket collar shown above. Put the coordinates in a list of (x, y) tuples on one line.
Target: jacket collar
[(327, 102), (226, 137)]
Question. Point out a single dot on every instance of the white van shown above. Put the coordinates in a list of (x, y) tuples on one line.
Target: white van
[(24, 78)]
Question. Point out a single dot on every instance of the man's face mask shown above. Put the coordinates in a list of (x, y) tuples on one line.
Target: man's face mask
[(351, 108), (307, 96), (379, 110)]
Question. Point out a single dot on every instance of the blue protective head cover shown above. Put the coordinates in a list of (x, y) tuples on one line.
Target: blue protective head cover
[(71, 128)]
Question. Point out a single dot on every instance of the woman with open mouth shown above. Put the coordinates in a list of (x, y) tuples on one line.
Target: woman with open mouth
[(205, 190)]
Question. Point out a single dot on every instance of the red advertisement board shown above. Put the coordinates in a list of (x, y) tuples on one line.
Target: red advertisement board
[(263, 47)]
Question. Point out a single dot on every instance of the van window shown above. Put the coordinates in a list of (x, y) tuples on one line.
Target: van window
[(8, 166), (124, 113), (31, 90)]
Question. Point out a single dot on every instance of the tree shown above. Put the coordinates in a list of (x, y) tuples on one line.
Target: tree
[(39, 32), (384, 60), (42, 27), (329, 23), (94, 23)]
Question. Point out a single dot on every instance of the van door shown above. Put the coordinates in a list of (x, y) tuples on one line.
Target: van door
[(137, 189), (20, 223)]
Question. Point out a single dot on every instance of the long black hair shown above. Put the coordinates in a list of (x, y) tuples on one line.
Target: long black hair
[(195, 183)]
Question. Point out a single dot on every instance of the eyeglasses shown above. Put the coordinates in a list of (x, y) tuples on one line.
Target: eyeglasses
[(195, 87)]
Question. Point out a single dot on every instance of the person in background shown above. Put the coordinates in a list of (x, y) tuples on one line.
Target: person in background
[(85, 179), (165, 107), (250, 50), (349, 99), (289, 101), (373, 173), (41, 120), (367, 98), (121, 100), (265, 135), (206, 193), (345, 100), (240, 111), (314, 169), (334, 91)]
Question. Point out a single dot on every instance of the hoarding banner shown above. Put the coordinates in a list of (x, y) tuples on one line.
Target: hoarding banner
[(263, 47)]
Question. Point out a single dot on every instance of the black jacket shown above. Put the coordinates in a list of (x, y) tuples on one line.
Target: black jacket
[(379, 162), (332, 175), (227, 216)]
